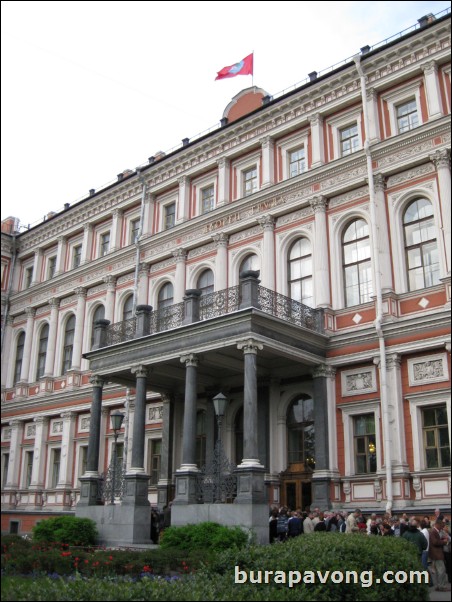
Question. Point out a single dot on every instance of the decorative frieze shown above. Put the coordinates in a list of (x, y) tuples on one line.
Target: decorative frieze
[(245, 234), (209, 248), (348, 197), (428, 369), (30, 431), (358, 381), (163, 265), (83, 423), (410, 175), (296, 216), (154, 414), (6, 433), (56, 428), (125, 278)]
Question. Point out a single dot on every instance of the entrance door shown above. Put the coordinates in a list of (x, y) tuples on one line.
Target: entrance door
[(297, 493)]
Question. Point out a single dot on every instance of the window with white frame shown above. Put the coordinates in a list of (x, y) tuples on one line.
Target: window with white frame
[(421, 249), (301, 431), (68, 344), (357, 263), (169, 216), (364, 443), (300, 271), (346, 134), (28, 277), (134, 230), (349, 140), (155, 458), (407, 116), (19, 357), (76, 256), (127, 310), (297, 162), (55, 463), (99, 314), (104, 243), (249, 181), (435, 437), (28, 468), (5, 465), (205, 282), (42, 351), (207, 199), (82, 459), (51, 267), (361, 445), (404, 108)]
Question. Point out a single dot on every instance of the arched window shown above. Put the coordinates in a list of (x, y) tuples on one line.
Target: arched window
[(357, 263), (127, 311), (99, 314), (42, 352), (68, 348), (205, 282), (300, 431), (166, 296), (421, 250), (238, 432), (19, 357), (251, 262), (201, 438), (300, 271)]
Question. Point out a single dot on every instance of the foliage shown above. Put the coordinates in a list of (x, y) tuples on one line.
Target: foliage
[(203, 536), (68, 529)]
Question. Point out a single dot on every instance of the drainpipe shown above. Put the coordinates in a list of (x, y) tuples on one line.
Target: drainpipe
[(387, 439), (137, 242)]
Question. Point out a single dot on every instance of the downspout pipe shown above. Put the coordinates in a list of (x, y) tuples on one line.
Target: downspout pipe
[(387, 439), (138, 240)]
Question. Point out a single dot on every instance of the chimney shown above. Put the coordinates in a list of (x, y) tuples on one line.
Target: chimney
[(266, 100), (185, 141), (223, 121), (151, 160), (66, 206), (312, 76), (365, 49), (92, 191)]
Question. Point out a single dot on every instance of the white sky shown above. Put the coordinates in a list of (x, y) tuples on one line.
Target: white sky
[(90, 89)]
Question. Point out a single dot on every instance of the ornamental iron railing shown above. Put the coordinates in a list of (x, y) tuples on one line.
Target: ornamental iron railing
[(289, 310), (216, 482), (219, 303)]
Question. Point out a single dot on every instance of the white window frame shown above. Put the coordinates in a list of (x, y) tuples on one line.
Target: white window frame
[(48, 260), (418, 402), (164, 202), (398, 97), (200, 185), (72, 244), (293, 144), (26, 267), (100, 236), (78, 464), (341, 122), (50, 463), (349, 411), (25, 454), (240, 167)]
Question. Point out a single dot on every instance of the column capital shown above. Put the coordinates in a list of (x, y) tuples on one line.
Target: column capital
[(430, 67), (117, 212), (54, 303), (140, 371), (379, 182), (110, 281), (223, 162), (441, 158), (166, 398), (39, 252), (88, 227), (190, 359), (144, 268), (393, 360), (371, 94), (105, 412), (9, 320), (61, 239), (323, 371), (319, 203), (267, 141), (183, 180), (16, 423), (180, 255), (250, 346), (220, 239), (44, 420), (68, 416), (315, 119), (447, 346), (267, 222), (30, 312), (96, 381), (81, 292)]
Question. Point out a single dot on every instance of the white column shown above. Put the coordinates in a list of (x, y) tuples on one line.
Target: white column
[(37, 266), (110, 281), (143, 284), (373, 135), (87, 244), (116, 229), (432, 90), (51, 345), (396, 418), (79, 322), (441, 160), (223, 181), (267, 276), (61, 255), (183, 211), (148, 215), (67, 450), (221, 261), (30, 312), (384, 245), (7, 345), (17, 429), (320, 253), (179, 288), (318, 157), (268, 164), (39, 453)]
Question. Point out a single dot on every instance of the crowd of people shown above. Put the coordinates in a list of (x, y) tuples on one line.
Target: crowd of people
[(430, 536)]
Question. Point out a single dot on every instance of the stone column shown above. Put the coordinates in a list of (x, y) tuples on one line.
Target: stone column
[(396, 418), (79, 323), (186, 474), (267, 223), (37, 266), (51, 345), (318, 156), (143, 284), (30, 312), (39, 459), (268, 163), (183, 211), (223, 181), (221, 261), (7, 345), (166, 462), (384, 246), (321, 263), (17, 429), (110, 281), (116, 229), (250, 473), (61, 255), (148, 215), (191, 306), (432, 90), (373, 135), (179, 288), (139, 420), (87, 243), (249, 289), (67, 450), (441, 160), (322, 476)]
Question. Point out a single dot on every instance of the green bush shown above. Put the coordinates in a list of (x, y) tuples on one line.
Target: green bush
[(66, 529), (203, 536), (14, 542)]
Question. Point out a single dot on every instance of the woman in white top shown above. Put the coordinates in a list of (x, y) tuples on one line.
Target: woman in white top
[(425, 532)]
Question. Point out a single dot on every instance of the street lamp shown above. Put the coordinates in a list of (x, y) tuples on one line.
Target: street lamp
[(220, 402), (116, 418)]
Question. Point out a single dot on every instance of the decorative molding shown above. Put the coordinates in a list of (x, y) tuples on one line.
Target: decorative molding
[(410, 175), (358, 381), (190, 359), (125, 278), (198, 251), (56, 427), (30, 431), (155, 413), (428, 369), (162, 265)]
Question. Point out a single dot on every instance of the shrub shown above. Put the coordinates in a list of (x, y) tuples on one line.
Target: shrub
[(203, 536), (67, 529)]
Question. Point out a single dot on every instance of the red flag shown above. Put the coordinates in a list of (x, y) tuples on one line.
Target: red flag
[(244, 67)]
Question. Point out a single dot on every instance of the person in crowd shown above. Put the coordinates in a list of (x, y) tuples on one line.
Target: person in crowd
[(332, 524), (155, 524), (294, 525), (321, 525), (308, 525), (414, 536), (282, 524), (395, 525), (371, 520), (352, 525), (425, 524), (445, 533), (436, 554), (386, 530), (272, 524)]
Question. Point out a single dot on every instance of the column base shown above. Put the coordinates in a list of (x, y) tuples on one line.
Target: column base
[(136, 493), (250, 484), (321, 497), (89, 491), (186, 491), (164, 492)]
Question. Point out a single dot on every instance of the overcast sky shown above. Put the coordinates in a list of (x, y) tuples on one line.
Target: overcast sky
[(90, 89)]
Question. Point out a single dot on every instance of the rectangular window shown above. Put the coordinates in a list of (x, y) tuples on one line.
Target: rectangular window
[(249, 181), (5, 464), (208, 199), (28, 467), (104, 244), (407, 117), (14, 527), (134, 231), (365, 444), (55, 468), (82, 459), (169, 218), (349, 140), (51, 267), (155, 460), (436, 437), (28, 277), (76, 256), (297, 162)]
